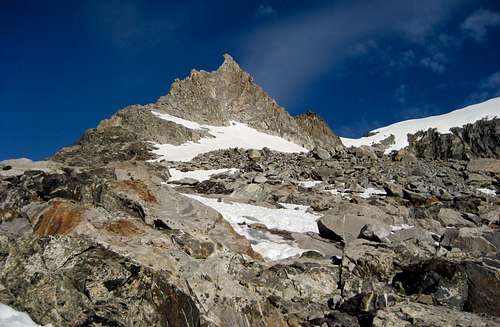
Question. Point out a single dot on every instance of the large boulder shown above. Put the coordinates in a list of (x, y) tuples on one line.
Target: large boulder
[(344, 222), (484, 165), (415, 314), (73, 282)]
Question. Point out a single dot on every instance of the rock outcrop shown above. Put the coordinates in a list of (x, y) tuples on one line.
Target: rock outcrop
[(478, 140)]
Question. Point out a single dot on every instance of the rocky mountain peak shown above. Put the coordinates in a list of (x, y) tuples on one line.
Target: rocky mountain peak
[(229, 64), (230, 93)]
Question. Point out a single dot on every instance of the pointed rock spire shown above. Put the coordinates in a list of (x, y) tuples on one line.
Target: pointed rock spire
[(229, 63)]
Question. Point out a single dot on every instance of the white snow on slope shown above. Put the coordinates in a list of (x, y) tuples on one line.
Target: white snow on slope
[(199, 175), (487, 191), (370, 191), (236, 135), (309, 184), (292, 218), (12, 318), (488, 109)]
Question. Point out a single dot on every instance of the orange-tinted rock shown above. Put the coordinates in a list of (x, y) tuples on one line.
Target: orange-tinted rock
[(137, 187), (60, 218), (124, 227)]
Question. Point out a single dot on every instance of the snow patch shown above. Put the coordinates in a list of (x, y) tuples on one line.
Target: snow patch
[(396, 228), (370, 191), (186, 123), (309, 184), (236, 135), (12, 318), (366, 194), (292, 218), (488, 109), (487, 191), (199, 175)]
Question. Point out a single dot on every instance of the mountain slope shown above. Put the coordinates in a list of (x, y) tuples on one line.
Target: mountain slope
[(231, 94), (443, 123), (197, 111)]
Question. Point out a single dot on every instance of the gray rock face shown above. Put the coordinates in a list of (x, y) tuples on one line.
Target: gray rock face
[(83, 284), (414, 314), (478, 140)]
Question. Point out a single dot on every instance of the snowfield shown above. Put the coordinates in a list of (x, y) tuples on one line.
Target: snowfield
[(12, 318), (292, 218), (488, 109), (236, 135)]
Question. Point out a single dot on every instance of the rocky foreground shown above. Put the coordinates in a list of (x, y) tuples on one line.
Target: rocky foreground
[(106, 233)]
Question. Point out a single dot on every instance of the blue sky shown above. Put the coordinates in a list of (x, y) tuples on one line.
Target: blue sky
[(66, 65)]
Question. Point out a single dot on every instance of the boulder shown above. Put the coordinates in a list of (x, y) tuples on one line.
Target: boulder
[(365, 152), (187, 181), (416, 314), (484, 283), (254, 155), (17, 167), (452, 218), (321, 154), (405, 155), (250, 192), (74, 282), (344, 222), (260, 179), (393, 189), (484, 165), (376, 233)]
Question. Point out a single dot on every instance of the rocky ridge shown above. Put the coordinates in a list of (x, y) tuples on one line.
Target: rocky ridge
[(101, 235)]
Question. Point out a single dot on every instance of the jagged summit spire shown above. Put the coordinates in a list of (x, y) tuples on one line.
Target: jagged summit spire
[(229, 63)]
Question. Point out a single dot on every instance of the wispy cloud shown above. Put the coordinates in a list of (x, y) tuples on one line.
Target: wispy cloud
[(436, 62), (265, 11), (287, 54), (127, 24), (414, 112), (492, 82), (403, 59), (401, 93), (362, 48), (488, 88), (477, 24)]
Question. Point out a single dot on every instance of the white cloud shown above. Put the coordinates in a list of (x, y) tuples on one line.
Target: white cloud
[(403, 59), (433, 65), (265, 10), (286, 55), (435, 61), (488, 88), (477, 24), (492, 82), (401, 93), (362, 48)]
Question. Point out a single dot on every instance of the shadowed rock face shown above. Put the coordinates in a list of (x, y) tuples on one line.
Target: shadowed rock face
[(478, 140), (313, 125)]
